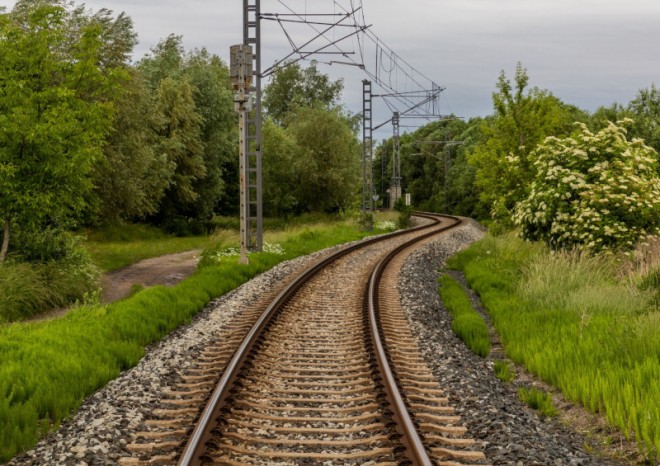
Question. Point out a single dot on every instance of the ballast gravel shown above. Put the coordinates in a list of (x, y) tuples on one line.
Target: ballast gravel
[(513, 434)]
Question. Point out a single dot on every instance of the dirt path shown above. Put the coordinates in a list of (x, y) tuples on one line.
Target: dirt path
[(168, 270), (163, 270)]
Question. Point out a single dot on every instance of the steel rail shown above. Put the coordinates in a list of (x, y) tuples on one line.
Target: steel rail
[(194, 449), (415, 450)]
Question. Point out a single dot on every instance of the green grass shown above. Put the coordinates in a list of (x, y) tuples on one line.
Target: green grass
[(503, 371), (467, 324), (538, 400), (48, 368), (574, 321), (118, 246)]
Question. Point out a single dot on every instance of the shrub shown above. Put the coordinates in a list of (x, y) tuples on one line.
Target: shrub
[(592, 191)]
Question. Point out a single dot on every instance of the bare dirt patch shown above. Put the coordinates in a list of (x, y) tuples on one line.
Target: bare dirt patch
[(167, 270)]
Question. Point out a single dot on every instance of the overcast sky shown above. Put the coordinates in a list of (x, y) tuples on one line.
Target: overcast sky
[(586, 52)]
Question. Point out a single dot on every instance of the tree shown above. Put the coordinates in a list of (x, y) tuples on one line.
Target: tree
[(179, 131), (292, 87), (282, 165), (504, 168), (131, 178), (645, 111), (593, 191), (329, 159), (207, 78), (54, 116)]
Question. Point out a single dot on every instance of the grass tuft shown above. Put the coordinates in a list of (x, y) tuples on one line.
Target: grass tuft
[(538, 400), (503, 371)]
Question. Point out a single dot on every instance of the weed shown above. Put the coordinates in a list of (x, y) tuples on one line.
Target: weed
[(538, 400), (503, 371)]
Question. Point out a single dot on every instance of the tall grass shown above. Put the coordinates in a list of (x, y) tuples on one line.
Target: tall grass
[(47, 368), (466, 323), (27, 288), (572, 320)]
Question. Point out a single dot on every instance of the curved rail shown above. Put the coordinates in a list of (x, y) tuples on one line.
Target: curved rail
[(415, 450), (201, 434)]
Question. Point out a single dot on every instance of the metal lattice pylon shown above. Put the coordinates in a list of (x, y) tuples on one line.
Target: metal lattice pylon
[(395, 188), (367, 148), (251, 215)]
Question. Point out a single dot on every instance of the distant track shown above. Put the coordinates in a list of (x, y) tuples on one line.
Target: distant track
[(328, 372)]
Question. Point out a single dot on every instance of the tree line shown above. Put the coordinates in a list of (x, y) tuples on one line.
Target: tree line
[(503, 169), (87, 137)]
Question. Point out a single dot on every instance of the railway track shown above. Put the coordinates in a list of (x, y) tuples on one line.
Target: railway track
[(329, 372)]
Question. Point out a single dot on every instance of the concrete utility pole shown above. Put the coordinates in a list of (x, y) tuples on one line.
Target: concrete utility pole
[(241, 80), (395, 188)]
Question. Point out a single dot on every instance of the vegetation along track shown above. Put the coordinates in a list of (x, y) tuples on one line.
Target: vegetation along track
[(328, 372)]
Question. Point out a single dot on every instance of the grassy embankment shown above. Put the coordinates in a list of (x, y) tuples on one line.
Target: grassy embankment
[(48, 368), (584, 324)]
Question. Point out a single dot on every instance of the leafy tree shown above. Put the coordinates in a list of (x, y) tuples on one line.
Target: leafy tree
[(292, 87), (645, 111), (207, 78), (329, 159), (594, 191), (179, 131), (504, 168), (213, 97), (54, 116), (282, 166), (131, 178)]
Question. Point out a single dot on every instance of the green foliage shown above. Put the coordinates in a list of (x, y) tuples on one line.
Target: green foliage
[(405, 212), (196, 130), (48, 368), (592, 191), (503, 371), (537, 399), (54, 114), (570, 319), (467, 324), (644, 110), (329, 158), (503, 162), (283, 167), (293, 87), (131, 178)]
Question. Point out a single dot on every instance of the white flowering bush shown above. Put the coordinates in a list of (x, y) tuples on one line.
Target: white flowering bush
[(592, 191), (385, 225)]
